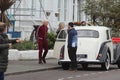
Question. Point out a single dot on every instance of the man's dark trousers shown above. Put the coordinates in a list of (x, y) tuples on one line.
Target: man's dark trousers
[(1, 75), (72, 56)]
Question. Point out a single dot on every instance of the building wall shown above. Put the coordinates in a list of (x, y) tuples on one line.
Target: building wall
[(32, 12)]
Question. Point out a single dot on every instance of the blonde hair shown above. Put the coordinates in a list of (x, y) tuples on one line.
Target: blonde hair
[(45, 22), (61, 25)]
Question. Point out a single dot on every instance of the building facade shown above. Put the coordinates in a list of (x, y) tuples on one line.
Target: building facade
[(27, 13)]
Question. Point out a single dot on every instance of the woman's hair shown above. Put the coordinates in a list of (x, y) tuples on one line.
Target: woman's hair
[(2, 26), (61, 25)]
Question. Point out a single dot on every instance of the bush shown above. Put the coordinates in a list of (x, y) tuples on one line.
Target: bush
[(51, 40), (25, 45), (29, 45)]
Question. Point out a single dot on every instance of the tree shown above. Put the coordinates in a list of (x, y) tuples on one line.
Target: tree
[(104, 12), (4, 5)]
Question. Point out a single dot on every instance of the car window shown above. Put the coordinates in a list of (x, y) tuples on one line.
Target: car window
[(108, 35), (88, 33)]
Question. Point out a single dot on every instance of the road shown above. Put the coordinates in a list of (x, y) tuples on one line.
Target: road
[(92, 73)]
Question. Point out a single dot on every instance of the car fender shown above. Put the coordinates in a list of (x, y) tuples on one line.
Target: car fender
[(117, 53), (103, 50)]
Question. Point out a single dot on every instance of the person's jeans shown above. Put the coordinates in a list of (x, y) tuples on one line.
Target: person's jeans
[(72, 56), (1, 75)]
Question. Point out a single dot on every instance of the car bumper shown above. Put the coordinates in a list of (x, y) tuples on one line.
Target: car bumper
[(81, 61)]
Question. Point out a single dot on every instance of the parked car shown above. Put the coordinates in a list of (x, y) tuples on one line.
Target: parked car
[(95, 46)]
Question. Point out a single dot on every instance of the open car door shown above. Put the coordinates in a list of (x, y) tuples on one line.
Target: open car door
[(59, 43)]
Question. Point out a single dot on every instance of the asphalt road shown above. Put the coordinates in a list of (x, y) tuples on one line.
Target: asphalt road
[(92, 73)]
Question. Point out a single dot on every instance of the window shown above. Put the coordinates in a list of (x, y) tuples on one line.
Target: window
[(88, 33), (108, 36), (62, 9), (59, 8), (65, 10)]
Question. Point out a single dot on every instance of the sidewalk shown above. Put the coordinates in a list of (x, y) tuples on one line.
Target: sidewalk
[(25, 66)]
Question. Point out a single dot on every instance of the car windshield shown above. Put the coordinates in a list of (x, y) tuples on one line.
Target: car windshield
[(88, 33)]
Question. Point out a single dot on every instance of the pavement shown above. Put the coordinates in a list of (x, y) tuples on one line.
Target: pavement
[(26, 66)]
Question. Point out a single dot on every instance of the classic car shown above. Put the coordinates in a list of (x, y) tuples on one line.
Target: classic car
[(95, 46)]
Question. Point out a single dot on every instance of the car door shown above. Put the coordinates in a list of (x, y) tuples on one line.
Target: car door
[(59, 43)]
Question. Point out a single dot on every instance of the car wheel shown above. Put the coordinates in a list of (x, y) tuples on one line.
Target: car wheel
[(65, 66), (106, 64), (84, 66)]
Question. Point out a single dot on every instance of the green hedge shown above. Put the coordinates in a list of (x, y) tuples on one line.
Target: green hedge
[(25, 45), (29, 45), (51, 40)]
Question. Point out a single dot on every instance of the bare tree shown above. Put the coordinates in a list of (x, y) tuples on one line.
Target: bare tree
[(4, 5)]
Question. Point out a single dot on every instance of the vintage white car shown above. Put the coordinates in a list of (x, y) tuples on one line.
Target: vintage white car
[(95, 46)]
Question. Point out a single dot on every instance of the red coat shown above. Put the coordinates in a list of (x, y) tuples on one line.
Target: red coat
[(42, 32)]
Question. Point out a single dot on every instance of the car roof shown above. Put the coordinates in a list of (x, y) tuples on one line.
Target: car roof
[(97, 28)]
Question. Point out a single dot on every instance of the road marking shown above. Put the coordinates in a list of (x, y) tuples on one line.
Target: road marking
[(100, 72), (86, 75), (106, 71), (78, 76), (61, 79), (93, 73), (69, 77)]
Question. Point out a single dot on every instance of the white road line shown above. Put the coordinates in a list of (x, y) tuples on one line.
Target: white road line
[(100, 72), (61, 79), (93, 73), (69, 77), (107, 71), (86, 75), (78, 76)]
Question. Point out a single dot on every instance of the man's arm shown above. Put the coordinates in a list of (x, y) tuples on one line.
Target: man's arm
[(4, 46)]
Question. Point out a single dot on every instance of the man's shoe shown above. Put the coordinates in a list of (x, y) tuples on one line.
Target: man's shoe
[(43, 59), (40, 62)]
